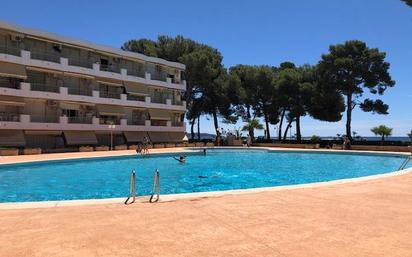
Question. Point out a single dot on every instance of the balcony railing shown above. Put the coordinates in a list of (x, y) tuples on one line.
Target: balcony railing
[(44, 88), (135, 98), (176, 81), (159, 76), (158, 123), (44, 56), (136, 122), (137, 73), (9, 117), (44, 119), (80, 120), (80, 62), (177, 102), (177, 124), (158, 99), (104, 94), (8, 84), (111, 68), (4, 49), (109, 121), (80, 91)]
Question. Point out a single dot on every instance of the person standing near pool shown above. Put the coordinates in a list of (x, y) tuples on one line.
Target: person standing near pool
[(249, 140), (146, 142), (218, 133)]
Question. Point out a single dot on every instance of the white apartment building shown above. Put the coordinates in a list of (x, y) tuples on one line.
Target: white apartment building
[(58, 93)]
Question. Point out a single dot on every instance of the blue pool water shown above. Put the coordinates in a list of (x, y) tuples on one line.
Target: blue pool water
[(218, 170)]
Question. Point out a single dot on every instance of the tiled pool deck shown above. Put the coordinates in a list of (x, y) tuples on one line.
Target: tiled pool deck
[(366, 217)]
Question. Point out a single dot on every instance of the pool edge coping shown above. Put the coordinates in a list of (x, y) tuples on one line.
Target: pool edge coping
[(194, 195), (125, 153)]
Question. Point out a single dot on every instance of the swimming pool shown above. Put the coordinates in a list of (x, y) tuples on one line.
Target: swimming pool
[(218, 170)]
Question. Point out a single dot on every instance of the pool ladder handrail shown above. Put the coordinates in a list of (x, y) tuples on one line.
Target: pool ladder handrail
[(405, 162), (132, 188), (156, 187)]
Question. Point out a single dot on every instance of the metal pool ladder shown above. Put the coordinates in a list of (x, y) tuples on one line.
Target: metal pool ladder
[(156, 187), (132, 189), (405, 162)]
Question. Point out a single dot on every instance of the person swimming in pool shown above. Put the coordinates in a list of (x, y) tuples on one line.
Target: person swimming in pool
[(181, 159)]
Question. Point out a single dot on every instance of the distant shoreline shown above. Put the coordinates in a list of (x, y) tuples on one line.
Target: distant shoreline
[(204, 136), (368, 138)]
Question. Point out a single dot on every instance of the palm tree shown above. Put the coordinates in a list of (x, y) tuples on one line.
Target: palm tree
[(382, 131), (251, 125)]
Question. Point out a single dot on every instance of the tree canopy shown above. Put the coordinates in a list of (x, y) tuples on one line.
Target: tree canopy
[(352, 68), (382, 131), (338, 83), (408, 2), (256, 94), (251, 125)]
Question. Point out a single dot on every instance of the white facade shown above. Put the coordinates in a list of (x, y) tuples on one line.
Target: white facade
[(50, 86)]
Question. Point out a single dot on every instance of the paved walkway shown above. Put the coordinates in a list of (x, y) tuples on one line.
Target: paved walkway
[(368, 218), (62, 156)]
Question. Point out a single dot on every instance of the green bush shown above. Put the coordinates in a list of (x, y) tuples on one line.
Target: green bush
[(315, 139)]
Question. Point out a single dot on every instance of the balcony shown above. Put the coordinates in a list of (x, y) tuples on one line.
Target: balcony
[(177, 124), (177, 102), (134, 122), (158, 99), (110, 68), (137, 73), (159, 76), (80, 120), (80, 62), (80, 91), (44, 119), (15, 121), (105, 94), (109, 121), (136, 98), (53, 60), (44, 88), (158, 123), (8, 84), (175, 81), (10, 50), (9, 117), (44, 56)]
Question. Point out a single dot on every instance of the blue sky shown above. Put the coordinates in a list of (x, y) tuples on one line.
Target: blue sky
[(248, 32)]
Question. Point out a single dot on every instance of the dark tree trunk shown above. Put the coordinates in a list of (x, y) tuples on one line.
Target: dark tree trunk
[(267, 127), (280, 124), (252, 134), (249, 116), (216, 123), (287, 129), (192, 131), (298, 134), (198, 128), (349, 117)]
